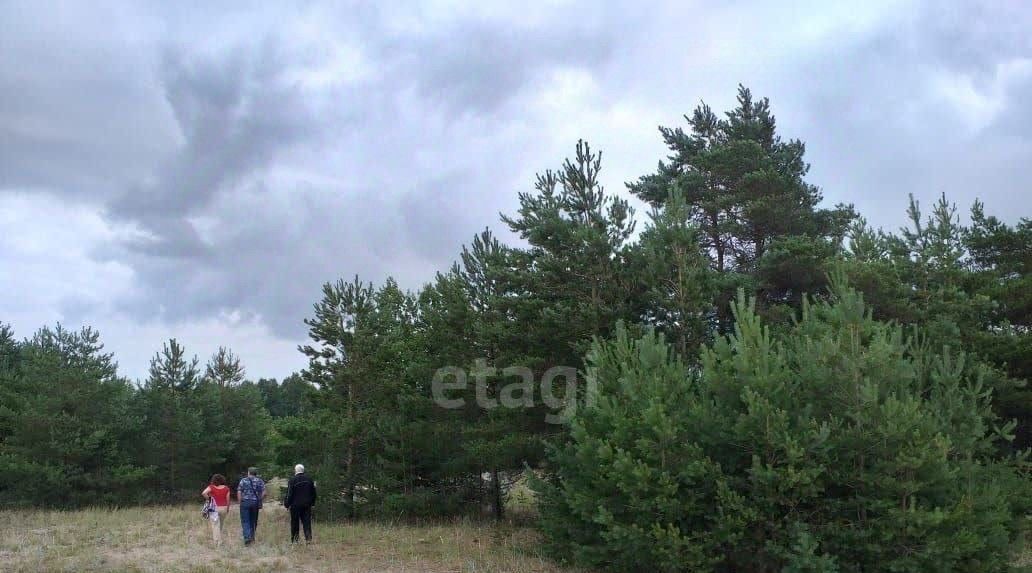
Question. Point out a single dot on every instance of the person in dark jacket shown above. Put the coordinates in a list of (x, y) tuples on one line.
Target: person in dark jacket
[(300, 499)]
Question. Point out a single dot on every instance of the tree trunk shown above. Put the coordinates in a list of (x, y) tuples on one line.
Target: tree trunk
[(349, 476), (496, 491)]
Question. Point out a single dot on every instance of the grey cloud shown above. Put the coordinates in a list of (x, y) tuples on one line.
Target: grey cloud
[(435, 217), (167, 236), (234, 115), (273, 261), (473, 65), (78, 114), (274, 247), (478, 67), (245, 189), (878, 127), (1017, 121), (973, 36)]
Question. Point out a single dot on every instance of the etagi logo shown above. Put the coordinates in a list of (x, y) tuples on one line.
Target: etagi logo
[(517, 394)]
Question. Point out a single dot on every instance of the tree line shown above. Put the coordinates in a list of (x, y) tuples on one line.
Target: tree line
[(73, 432), (778, 383)]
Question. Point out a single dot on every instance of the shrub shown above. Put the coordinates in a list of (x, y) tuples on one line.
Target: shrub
[(840, 445)]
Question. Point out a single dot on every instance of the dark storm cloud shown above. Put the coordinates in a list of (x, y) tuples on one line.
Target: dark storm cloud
[(216, 230), (234, 115), (272, 260)]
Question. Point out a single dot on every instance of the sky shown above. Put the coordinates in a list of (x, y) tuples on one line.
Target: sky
[(198, 171)]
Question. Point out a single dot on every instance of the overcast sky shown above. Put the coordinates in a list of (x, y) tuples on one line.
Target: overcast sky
[(198, 173)]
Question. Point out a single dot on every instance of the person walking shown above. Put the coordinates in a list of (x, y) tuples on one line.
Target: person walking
[(299, 500), (218, 492), (250, 493)]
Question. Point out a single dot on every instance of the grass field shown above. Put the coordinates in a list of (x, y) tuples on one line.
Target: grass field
[(177, 539)]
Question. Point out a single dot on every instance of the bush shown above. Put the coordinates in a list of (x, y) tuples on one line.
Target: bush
[(840, 446)]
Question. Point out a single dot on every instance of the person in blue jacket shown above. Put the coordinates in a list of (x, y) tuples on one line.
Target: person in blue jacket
[(250, 493)]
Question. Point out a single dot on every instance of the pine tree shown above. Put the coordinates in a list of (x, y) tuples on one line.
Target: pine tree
[(499, 285), (360, 358), (1000, 258), (8, 348), (572, 277), (680, 285), (942, 276), (66, 424), (292, 397), (455, 327), (224, 369), (338, 364), (236, 429), (237, 426), (8, 371), (171, 370), (840, 445), (746, 192), (175, 425)]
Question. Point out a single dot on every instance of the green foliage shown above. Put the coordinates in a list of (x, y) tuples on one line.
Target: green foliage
[(572, 281), (293, 397), (224, 369), (630, 470), (73, 433), (197, 426), (66, 422), (236, 429), (1001, 262), (966, 287), (174, 424), (679, 285), (376, 351), (360, 358), (745, 191), (841, 445)]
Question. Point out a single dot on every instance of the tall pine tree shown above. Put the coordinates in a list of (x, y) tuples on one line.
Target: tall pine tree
[(746, 192), (175, 425)]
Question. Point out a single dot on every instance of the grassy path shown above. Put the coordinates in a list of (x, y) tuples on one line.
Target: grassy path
[(177, 539)]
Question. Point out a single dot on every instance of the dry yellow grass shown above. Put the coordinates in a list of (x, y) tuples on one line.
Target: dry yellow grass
[(177, 539)]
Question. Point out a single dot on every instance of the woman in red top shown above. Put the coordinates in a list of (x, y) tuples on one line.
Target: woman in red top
[(218, 491)]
